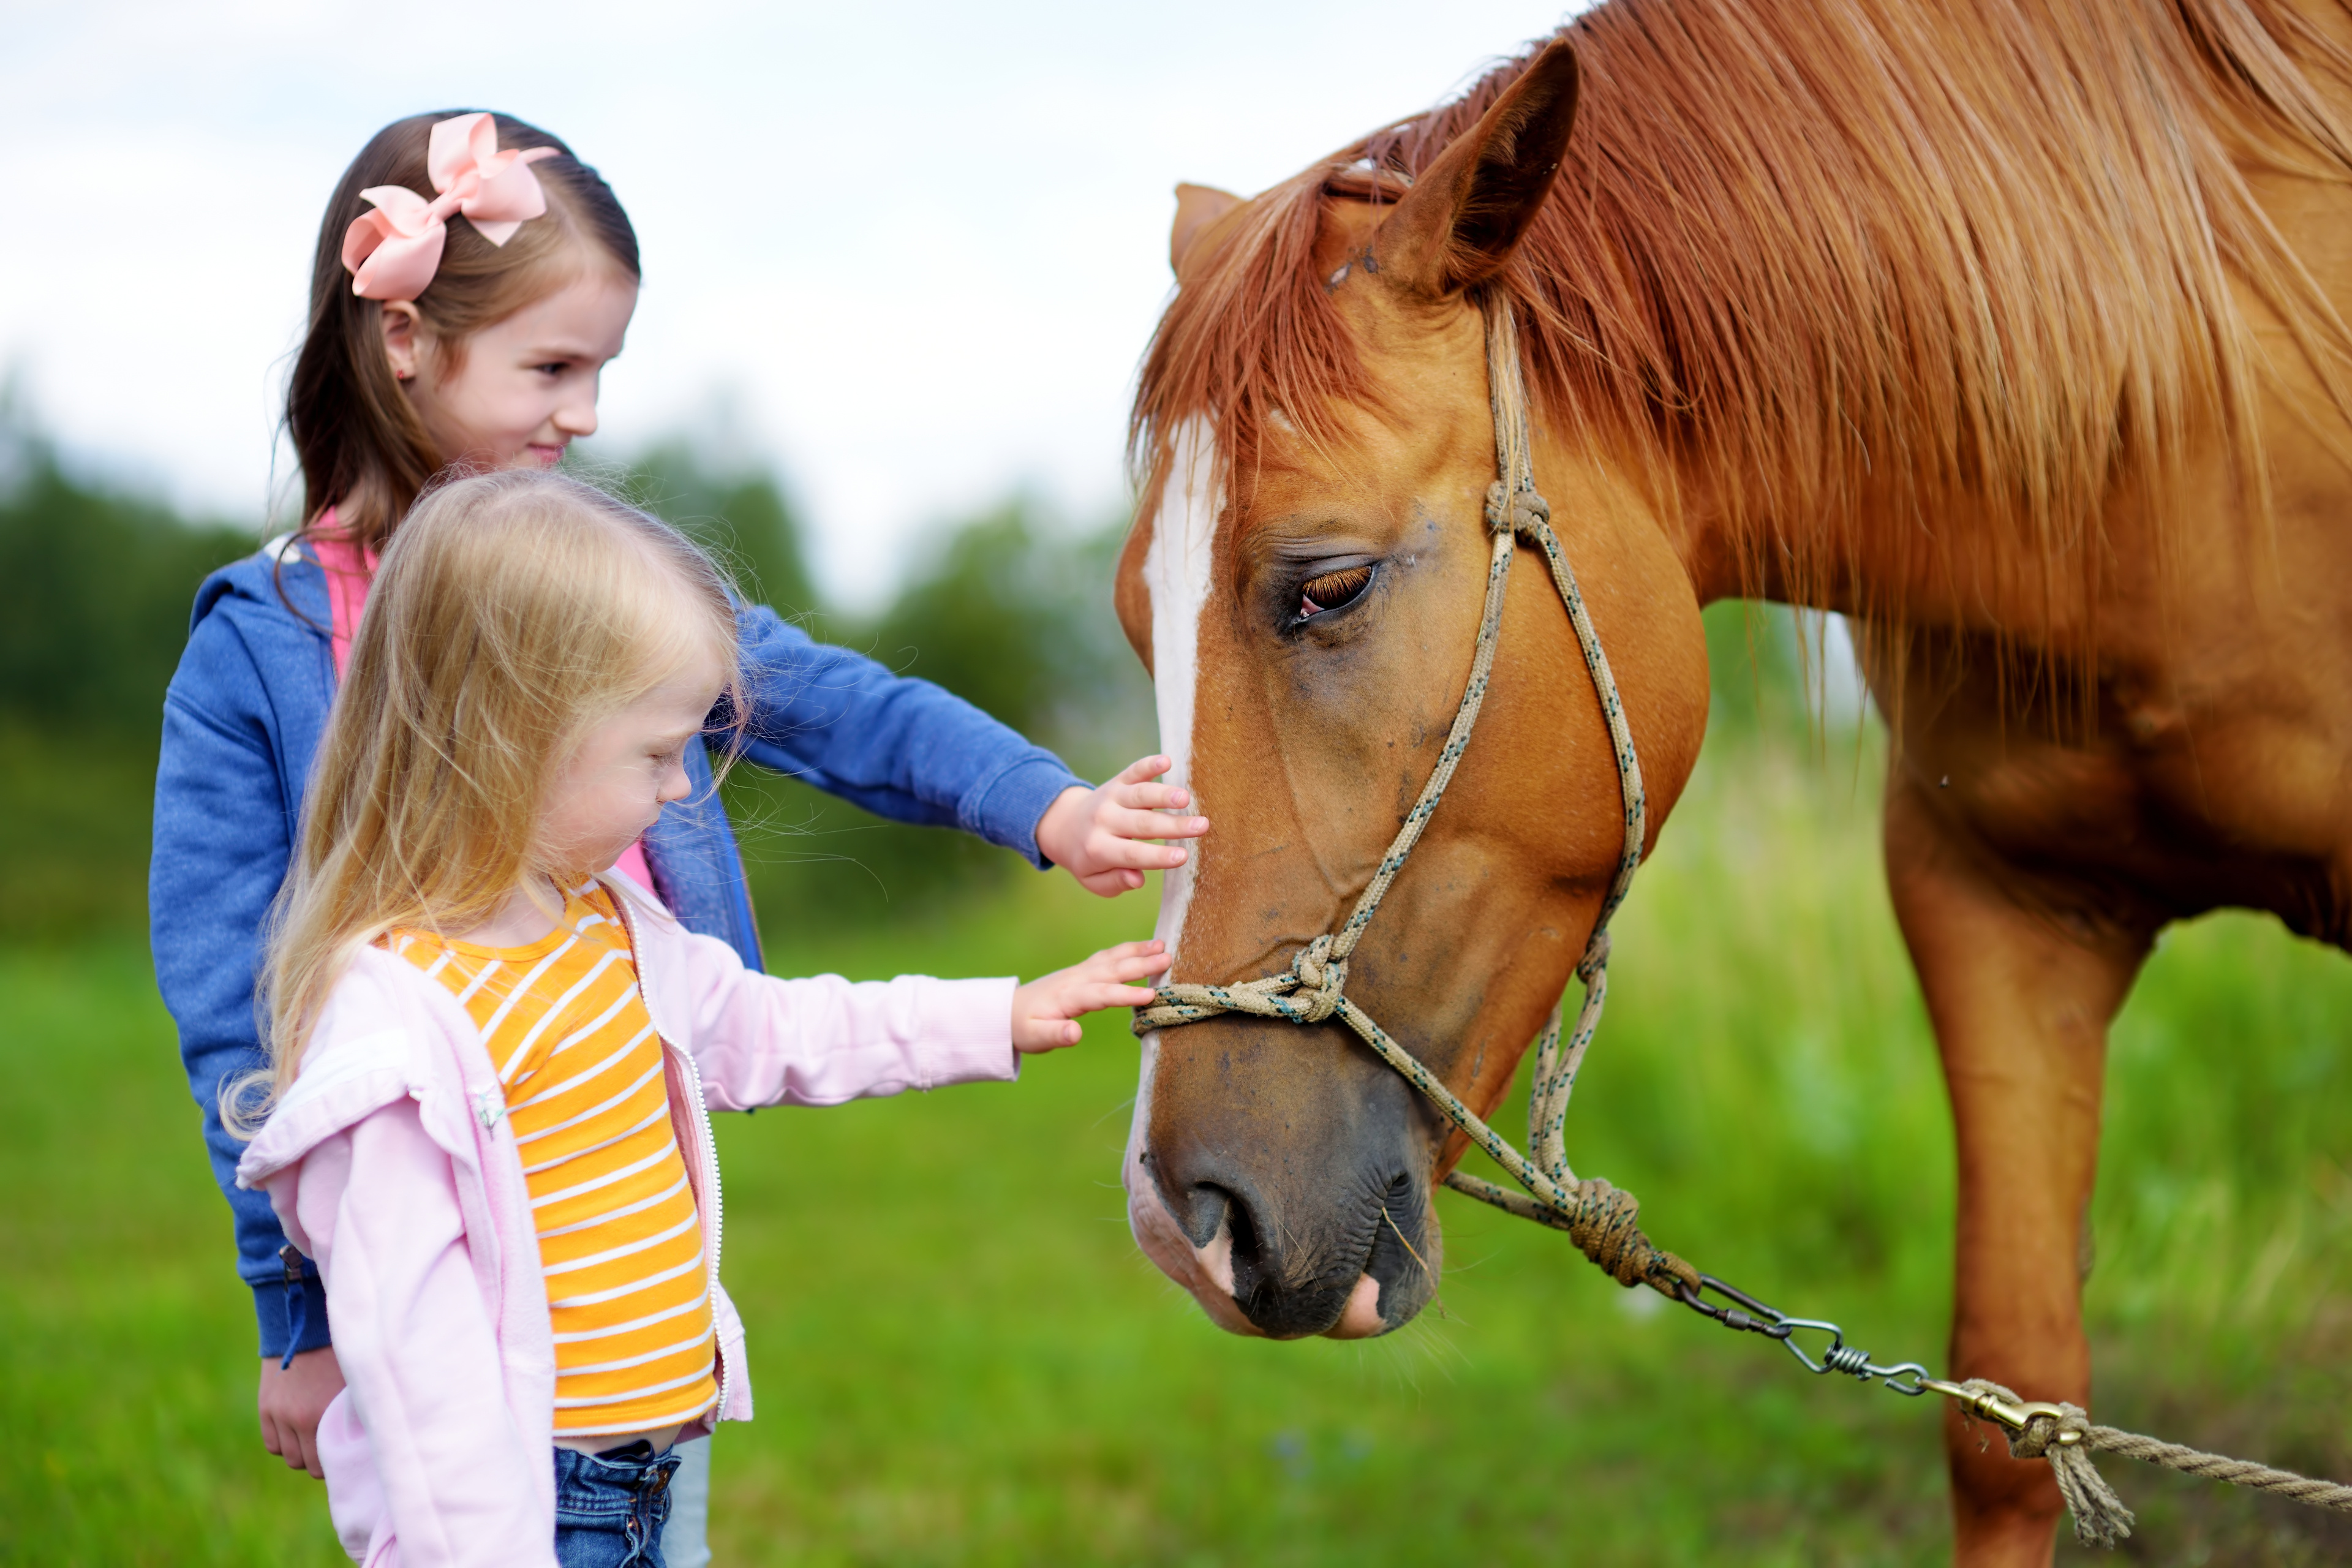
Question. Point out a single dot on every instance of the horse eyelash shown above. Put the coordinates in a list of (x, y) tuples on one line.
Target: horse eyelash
[(1319, 596)]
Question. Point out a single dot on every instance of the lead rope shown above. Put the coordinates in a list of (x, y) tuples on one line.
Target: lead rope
[(2065, 1435), (1598, 1218)]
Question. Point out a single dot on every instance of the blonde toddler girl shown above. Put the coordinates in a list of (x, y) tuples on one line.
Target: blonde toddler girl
[(491, 1056)]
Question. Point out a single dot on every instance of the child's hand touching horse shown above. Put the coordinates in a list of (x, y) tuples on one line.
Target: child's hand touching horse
[(1046, 1011), (1103, 836)]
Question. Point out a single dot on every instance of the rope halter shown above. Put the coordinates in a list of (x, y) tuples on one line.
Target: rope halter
[(1598, 1217)]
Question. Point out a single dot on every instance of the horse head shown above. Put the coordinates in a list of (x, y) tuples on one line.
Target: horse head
[(1305, 582)]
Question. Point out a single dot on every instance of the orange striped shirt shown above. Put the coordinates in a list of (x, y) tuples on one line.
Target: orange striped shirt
[(619, 1238)]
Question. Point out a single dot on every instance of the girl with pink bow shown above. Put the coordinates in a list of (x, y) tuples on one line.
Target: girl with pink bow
[(472, 281)]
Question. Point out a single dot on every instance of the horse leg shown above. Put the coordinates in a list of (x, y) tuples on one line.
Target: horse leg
[(2021, 992)]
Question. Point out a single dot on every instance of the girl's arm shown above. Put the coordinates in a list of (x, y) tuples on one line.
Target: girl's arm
[(901, 748), (223, 835), (905, 749), (378, 1203), (761, 1040)]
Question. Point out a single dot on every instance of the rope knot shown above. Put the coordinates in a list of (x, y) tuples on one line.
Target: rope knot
[(1519, 511), (1604, 1225), (2043, 1433), (1321, 980), (1596, 956), (2065, 1440)]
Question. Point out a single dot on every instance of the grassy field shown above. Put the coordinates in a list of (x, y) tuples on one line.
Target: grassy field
[(962, 1359)]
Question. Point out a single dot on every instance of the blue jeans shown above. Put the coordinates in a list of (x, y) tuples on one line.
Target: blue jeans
[(610, 1508), (686, 1542)]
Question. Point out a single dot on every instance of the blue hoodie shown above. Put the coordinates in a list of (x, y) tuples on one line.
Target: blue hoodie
[(243, 720)]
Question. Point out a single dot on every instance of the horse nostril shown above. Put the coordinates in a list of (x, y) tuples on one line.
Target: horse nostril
[(1397, 1201), (1394, 1256), (1249, 1269), (1201, 1209), (1209, 1209)]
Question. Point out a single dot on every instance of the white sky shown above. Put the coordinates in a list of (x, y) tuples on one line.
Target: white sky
[(910, 253)]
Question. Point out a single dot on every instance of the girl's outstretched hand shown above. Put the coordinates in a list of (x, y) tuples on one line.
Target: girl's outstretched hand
[(1046, 1010), (1103, 836)]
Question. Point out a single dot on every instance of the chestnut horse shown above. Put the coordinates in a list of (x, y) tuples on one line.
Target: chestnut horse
[(2014, 331)]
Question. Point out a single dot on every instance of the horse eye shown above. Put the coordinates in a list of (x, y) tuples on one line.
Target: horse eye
[(1332, 591)]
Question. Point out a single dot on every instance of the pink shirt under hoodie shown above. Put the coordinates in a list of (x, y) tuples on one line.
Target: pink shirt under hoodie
[(391, 1161)]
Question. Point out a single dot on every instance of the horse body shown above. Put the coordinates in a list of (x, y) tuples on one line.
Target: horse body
[(2052, 401)]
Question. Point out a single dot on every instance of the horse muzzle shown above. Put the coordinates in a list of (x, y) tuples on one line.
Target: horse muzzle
[(1283, 1229)]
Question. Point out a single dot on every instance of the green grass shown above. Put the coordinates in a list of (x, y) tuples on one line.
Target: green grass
[(73, 835), (959, 1357)]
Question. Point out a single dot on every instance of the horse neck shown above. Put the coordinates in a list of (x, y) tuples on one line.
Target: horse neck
[(1859, 403), (1931, 559)]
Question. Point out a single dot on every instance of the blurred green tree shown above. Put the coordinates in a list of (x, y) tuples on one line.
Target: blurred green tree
[(1010, 612), (739, 514), (94, 594), (982, 620), (95, 587), (1013, 614)]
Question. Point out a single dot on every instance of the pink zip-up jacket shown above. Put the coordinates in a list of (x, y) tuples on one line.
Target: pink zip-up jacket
[(391, 1161)]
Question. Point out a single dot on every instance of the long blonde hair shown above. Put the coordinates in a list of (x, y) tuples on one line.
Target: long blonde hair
[(514, 612)]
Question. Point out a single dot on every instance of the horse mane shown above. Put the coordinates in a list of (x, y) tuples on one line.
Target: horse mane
[(1863, 265)]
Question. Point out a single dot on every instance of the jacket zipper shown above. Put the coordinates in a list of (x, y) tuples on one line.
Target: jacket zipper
[(715, 1227), (706, 1153)]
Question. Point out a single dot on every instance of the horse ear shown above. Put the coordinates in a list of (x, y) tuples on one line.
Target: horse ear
[(1466, 213), (1198, 208)]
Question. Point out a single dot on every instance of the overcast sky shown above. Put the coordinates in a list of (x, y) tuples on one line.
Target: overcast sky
[(909, 254)]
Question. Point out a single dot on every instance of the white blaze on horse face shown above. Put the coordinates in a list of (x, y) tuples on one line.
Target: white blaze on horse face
[(1176, 576)]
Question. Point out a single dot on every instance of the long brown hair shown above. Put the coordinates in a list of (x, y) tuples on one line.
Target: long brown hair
[(363, 448), (514, 612)]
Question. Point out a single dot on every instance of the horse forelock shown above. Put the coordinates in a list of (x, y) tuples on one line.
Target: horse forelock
[(1963, 266)]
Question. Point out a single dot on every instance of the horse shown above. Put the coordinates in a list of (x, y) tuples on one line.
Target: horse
[(2013, 333)]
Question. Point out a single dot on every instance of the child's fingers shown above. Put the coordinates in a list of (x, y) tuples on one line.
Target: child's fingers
[(1136, 852), (1149, 796), (1143, 768), (1125, 827), (1153, 804), (1151, 952), (1110, 884), (1046, 1035), (1153, 825), (1097, 995), (1102, 980), (1141, 855)]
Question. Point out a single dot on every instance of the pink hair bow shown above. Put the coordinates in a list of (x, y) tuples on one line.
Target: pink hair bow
[(393, 252)]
